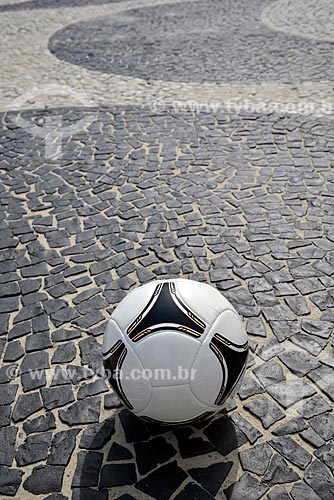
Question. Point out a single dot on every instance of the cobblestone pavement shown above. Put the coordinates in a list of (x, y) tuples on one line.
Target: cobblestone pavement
[(303, 17), (131, 192), (220, 45), (31, 68)]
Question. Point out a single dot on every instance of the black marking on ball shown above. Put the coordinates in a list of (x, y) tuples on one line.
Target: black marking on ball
[(165, 310), (114, 364), (231, 357)]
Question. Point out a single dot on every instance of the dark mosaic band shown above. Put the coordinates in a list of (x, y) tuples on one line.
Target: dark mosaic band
[(218, 45), (51, 4)]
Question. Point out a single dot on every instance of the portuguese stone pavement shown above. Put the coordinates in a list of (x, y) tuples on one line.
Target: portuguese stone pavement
[(144, 139)]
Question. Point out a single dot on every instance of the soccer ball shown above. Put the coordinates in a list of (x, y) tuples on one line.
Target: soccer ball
[(175, 351)]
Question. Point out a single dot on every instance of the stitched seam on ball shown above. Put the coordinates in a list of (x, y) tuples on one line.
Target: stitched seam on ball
[(140, 362), (197, 354)]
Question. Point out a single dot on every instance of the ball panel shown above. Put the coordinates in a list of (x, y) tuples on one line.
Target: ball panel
[(229, 325), (111, 335), (208, 376), (173, 405), (169, 354), (221, 361), (137, 390), (229, 344), (113, 365), (132, 305), (120, 360), (204, 300)]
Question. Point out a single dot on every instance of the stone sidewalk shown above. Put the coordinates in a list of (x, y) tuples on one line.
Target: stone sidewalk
[(142, 140)]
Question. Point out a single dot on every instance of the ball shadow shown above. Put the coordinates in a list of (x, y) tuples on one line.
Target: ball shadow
[(125, 453)]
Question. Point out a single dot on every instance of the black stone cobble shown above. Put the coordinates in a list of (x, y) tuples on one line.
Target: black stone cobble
[(62, 446), (34, 449), (44, 479)]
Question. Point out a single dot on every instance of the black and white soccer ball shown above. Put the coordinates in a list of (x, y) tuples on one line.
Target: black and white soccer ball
[(175, 351)]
